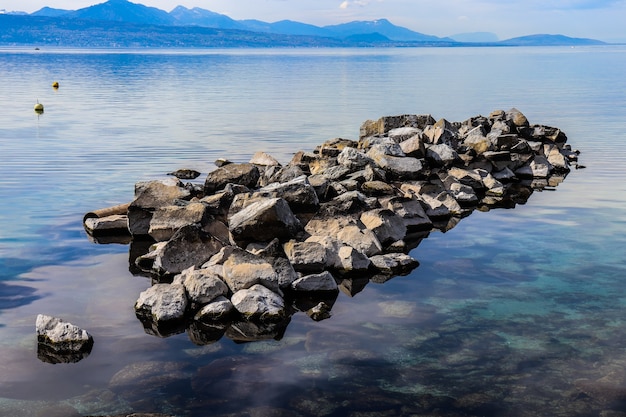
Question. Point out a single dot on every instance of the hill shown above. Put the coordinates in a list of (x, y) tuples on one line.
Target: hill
[(550, 40)]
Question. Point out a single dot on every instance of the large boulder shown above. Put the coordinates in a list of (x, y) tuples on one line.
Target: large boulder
[(189, 246), (264, 220)]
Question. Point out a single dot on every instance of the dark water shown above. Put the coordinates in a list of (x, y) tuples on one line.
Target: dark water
[(511, 313)]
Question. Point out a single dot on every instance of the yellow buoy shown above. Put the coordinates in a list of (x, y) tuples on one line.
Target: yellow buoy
[(55, 84), (39, 107)]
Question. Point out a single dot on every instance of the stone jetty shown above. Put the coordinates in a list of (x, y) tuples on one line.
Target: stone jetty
[(253, 243)]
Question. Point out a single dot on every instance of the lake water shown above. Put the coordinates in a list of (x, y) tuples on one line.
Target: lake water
[(516, 312)]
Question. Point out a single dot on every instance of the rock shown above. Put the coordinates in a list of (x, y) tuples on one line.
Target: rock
[(218, 309), (60, 341), (321, 282), (377, 188), (441, 154), (242, 174), (394, 263), (148, 197), (109, 225), (189, 246), (242, 270), (400, 134), (263, 221), (320, 312), (387, 227), (185, 174), (162, 303), (306, 256), (411, 211), (168, 219), (353, 159), (298, 192), (517, 117), (258, 302), (414, 146), (202, 285), (263, 159)]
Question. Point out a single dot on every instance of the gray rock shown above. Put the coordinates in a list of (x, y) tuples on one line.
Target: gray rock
[(386, 225), (263, 221), (242, 174), (98, 226), (217, 310), (242, 270), (414, 146), (263, 159), (442, 132), (148, 197), (167, 220), (185, 174), (190, 246), (62, 337), (202, 285), (162, 303), (353, 159), (394, 263), (298, 192), (411, 211), (321, 282), (258, 302), (441, 154), (400, 134), (306, 256)]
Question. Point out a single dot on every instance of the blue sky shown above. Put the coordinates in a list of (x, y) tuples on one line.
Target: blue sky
[(603, 19)]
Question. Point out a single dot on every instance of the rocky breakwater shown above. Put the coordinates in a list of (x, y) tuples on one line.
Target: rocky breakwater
[(239, 253)]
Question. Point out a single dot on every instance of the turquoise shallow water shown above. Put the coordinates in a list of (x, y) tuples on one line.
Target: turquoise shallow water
[(511, 313)]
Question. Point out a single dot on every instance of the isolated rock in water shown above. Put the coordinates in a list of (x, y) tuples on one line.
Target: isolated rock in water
[(259, 302), (60, 341), (162, 302)]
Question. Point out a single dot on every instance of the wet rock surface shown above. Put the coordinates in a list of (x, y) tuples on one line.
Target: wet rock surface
[(254, 243)]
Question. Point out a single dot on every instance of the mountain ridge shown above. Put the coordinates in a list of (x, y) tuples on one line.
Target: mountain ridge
[(379, 32)]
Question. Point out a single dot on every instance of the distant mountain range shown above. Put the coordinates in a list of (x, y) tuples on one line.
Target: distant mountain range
[(120, 23)]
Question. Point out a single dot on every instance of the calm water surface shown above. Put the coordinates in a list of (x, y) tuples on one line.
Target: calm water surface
[(511, 313)]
